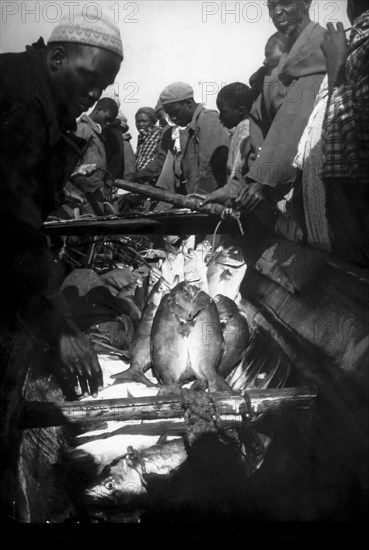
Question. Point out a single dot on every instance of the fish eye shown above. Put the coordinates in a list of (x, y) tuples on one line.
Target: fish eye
[(110, 484)]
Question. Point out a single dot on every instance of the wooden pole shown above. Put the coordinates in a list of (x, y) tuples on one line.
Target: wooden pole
[(160, 408), (175, 198)]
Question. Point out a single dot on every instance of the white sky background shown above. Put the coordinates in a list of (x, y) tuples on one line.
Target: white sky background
[(207, 44)]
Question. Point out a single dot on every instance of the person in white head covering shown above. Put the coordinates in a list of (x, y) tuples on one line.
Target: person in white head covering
[(42, 92), (83, 58)]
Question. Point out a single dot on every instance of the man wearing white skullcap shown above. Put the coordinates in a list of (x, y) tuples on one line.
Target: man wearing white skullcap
[(100, 32), (42, 92)]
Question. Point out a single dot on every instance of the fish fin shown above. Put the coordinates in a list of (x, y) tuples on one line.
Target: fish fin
[(199, 308), (225, 275), (169, 389), (219, 384), (162, 439), (132, 375)]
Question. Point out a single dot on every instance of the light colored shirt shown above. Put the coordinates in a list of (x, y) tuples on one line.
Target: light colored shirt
[(94, 154), (236, 158), (204, 148)]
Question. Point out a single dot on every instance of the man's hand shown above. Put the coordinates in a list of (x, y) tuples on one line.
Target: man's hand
[(335, 49), (85, 170), (250, 197), (220, 196), (80, 367), (120, 278)]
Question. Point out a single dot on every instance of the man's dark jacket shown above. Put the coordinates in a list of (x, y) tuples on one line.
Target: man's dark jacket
[(37, 155)]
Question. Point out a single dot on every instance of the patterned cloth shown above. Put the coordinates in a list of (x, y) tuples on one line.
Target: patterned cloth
[(309, 159), (346, 126), (146, 147), (236, 158)]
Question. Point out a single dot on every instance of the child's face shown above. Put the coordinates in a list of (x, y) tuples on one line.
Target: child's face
[(144, 123), (103, 117), (229, 116), (272, 55)]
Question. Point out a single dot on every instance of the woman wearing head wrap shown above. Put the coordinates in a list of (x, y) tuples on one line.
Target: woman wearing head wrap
[(147, 144)]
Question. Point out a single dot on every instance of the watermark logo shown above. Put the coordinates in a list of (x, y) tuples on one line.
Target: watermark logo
[(125, 12), (253, 12), (210, 89), (236, 12), (52, 12)]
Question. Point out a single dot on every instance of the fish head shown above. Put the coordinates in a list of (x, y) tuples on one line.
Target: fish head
[(172, 267), (160, 288), (231, 256), (184, 291), (119, 483), (181, 299), (226, 271), (195, 269), (151, 279), (225, 306)]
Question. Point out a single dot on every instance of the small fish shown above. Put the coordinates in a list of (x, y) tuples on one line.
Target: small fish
[(235, 330), (186, 338), (124, 480), (140, 346), (150, 281), (195, 269), (172, 268), (140, 294), (188, 243), (226, 271)]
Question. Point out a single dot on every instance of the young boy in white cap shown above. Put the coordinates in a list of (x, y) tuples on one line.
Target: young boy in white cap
[(204, 142), (42, 92)]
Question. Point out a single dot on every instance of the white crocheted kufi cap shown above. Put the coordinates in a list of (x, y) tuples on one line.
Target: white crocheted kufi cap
[(91, 29)]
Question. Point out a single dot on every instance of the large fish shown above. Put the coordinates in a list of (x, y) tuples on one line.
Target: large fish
[(140, 346), (226, 271), (235, 330), (186, 338), (123, 481)]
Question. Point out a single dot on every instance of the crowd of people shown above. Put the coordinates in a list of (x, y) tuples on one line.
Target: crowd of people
[(290, 146), (283, 144)]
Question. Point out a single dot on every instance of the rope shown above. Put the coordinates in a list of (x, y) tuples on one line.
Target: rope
[(200, 412), (234, 217)]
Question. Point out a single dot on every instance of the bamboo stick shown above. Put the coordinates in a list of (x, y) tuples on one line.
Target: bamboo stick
[(160, 408)]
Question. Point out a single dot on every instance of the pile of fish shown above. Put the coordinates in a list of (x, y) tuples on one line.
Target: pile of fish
[(190, 326), (191, 323)]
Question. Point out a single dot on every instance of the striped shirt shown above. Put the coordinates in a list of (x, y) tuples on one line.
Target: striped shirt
[(147, 146)]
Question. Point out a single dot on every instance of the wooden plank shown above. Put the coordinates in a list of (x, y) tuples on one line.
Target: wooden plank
[(174, 427), (156, 224), (160, 408)]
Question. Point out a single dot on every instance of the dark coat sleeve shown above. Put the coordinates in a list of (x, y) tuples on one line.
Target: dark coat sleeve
[(28, 189)]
